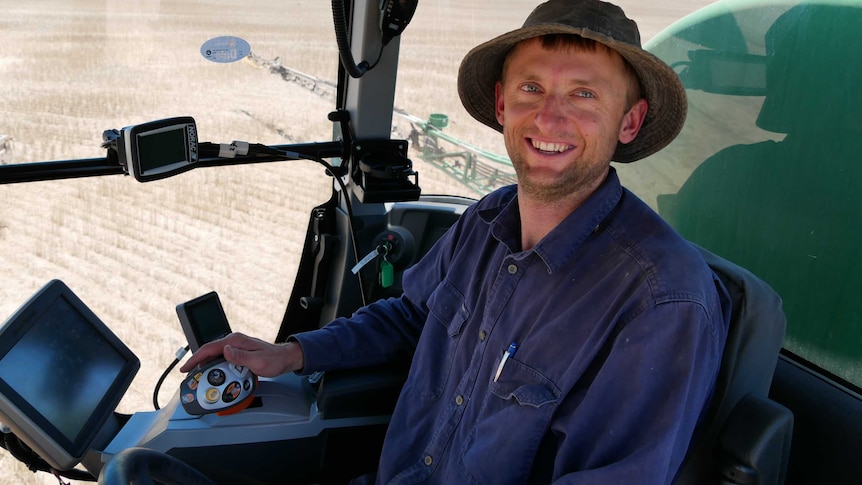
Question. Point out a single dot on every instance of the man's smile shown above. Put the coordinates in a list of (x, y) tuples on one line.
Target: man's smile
[(551, 148)]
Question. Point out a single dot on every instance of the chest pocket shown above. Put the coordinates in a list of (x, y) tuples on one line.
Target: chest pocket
[(446, 306), (515, 415), (447, 314), (524, 385)]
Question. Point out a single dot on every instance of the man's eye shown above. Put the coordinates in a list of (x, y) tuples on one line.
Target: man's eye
[(585, 94), (530, 88)]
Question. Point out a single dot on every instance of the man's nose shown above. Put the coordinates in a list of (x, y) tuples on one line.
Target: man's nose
[(551, 110)]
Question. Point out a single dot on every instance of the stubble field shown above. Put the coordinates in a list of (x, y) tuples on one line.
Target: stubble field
[(70, 70)]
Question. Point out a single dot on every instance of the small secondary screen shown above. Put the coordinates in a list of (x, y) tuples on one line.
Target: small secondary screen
[(203, 320), (209, 321), (62, 367), (163, 148)]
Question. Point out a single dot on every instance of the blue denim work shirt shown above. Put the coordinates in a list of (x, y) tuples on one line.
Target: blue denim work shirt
[(620, 327)]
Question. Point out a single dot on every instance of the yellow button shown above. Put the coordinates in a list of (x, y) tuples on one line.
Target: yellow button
[(212, 394)]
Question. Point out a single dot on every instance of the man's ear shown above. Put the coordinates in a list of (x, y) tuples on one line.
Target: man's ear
[(498, 101), (632, 121)]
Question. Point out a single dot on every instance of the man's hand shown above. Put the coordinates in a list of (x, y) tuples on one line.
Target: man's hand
[(262, 358)]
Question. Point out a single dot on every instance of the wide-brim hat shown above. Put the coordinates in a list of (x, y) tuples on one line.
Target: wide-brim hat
[(605, 23)]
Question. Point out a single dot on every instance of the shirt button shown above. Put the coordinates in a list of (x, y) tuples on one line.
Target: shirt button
[(482, 335), (428, 460), (513, 269), (459, 400)]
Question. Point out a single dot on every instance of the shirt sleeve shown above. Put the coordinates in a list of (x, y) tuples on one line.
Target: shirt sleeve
[(385, 330), (633, 422)]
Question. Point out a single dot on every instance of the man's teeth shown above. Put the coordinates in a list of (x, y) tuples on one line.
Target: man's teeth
[(550, 147)]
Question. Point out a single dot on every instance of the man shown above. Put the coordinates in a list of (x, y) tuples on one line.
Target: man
[(560, 330)]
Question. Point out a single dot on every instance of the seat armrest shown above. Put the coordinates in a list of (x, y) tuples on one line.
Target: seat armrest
[(754, 444), (360, 392)]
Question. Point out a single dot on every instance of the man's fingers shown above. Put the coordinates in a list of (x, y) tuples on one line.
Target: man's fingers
[(204, 354)]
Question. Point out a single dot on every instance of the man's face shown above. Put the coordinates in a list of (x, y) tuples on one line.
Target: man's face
[(563, 110)]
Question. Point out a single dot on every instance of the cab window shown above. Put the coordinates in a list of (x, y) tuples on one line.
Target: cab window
[(766, 172)]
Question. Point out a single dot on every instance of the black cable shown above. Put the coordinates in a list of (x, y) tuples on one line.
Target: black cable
[(180, 354), (339, 19), (348, 205)]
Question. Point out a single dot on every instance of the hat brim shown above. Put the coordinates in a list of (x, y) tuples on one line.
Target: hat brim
[(482, 67)]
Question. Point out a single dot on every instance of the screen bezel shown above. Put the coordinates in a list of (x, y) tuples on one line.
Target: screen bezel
[(192, 327), (28, 423), (129, 148)]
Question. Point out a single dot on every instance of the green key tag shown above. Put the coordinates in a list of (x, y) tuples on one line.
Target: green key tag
[(387, 273)]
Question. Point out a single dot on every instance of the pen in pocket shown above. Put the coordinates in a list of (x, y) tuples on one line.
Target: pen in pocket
[(508, 353)]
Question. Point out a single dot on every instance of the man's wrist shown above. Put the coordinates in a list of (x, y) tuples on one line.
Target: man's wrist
[(294, 358)]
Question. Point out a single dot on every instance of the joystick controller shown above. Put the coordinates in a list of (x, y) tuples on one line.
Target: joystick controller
[(217, 387)]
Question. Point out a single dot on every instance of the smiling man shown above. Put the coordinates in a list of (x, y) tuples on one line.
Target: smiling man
[(560, 330), (564, 103)]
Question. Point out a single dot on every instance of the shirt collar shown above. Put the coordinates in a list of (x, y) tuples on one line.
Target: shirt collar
[(558, 247)]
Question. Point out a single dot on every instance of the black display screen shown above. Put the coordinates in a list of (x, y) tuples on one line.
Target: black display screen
[(159, 149), (203, 320), (62, 373)]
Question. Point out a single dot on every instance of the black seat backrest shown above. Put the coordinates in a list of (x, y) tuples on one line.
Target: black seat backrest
[(754, 339)]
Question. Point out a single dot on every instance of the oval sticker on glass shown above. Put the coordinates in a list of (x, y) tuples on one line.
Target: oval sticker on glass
[(225, 49)]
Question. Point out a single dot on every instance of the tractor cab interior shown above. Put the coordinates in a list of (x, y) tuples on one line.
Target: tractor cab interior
[(738, 183)]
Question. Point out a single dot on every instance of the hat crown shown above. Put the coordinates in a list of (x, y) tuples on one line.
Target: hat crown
[(600, 17)]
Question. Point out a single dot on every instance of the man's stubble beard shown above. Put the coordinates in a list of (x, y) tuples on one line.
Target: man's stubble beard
[(576, 177)]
